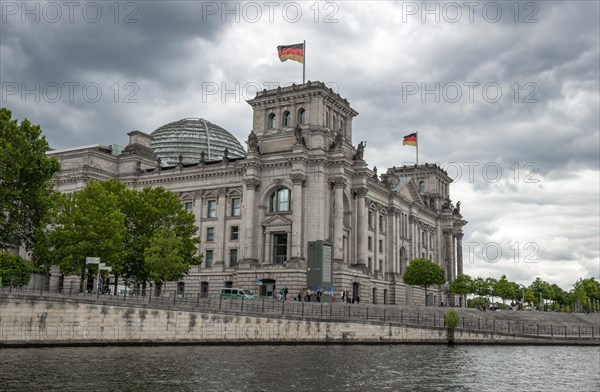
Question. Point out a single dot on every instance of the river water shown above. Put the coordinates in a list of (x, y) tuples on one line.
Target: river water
[(302, 368)]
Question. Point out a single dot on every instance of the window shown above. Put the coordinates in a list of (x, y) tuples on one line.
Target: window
[(374, 295), (271, 122), (189, 206), (232, 257), (210, 234), (235, 233), (333, 124), (204, 289), (229, 284), (341, 124), (301, 116), (421, 186), (208, 258), (212, 209), (370, 263), (370, 243), (180, 288), (327, 118), (370, 219), (381, 223), (287, 119), (280, 248), (235, 206), (380, 246), (280, 200), (381, 265)]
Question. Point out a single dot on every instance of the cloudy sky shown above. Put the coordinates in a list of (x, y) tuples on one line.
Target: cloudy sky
[(504, 95)]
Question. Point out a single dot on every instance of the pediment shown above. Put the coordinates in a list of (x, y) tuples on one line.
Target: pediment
[(409, 190), (277, 221)]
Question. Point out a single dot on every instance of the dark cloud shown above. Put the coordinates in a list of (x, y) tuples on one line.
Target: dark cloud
[(546, 120)]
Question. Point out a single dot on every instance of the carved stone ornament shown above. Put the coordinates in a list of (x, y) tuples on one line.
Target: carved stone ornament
[(252, 183), (298, 178), (360, 191)]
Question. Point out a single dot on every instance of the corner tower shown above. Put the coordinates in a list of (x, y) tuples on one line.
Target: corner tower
[(320, 113)]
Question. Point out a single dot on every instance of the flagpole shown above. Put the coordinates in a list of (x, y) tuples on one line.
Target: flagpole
[(417, 147), (304, 62)]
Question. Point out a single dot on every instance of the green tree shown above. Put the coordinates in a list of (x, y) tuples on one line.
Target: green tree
[(167, 257), (25, 180), (481, 287), (424, 273), (89, 224), (15, 270), (504, 289), (146, 212), (451, 320), (462, 285), (586, 291)]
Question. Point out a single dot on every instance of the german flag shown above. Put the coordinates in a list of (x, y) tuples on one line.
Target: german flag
[(410, 140), (291, 52)]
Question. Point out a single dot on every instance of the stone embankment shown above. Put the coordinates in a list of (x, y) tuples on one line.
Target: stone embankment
[(41, 320)]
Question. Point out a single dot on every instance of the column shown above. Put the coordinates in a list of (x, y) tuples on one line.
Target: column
[(453, 254), (338, 223), (361, 230), (448, 253), (297, 181), (220, 237), (459, 255), (249, 214)]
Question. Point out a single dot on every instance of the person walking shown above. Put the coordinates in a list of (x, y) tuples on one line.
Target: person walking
[(343, 296)]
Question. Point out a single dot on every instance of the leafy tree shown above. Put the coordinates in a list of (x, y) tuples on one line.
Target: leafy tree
[(481, 287), (146, 212), (89, 224), (424, 273), (25, 180), (462, 285), (504, 289), (586, 290), (451, 320), (167, 257), (15, 270)]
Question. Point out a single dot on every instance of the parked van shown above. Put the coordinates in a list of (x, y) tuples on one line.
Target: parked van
[(234, 293)]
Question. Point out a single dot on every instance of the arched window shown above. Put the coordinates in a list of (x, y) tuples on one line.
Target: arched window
[(333, 124), (280, 200), (301, 116), (327, 118), (421, 186), (271, 123), (287, 119)]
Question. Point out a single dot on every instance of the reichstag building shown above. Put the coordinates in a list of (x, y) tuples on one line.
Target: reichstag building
[(299, 179)]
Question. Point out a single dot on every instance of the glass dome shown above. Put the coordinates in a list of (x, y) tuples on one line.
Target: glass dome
[(190, 137)]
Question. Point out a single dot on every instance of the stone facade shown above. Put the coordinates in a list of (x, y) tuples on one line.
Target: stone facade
[(302, 180)]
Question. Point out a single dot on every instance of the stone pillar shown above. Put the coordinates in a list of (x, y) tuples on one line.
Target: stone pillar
[(361, 230), (296, 240), (453, 254), (459, 255), (250, 248), (338, 224), (220, 236), (448, 254)]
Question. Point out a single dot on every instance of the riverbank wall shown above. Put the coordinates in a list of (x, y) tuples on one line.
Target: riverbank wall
[(30, 322)]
